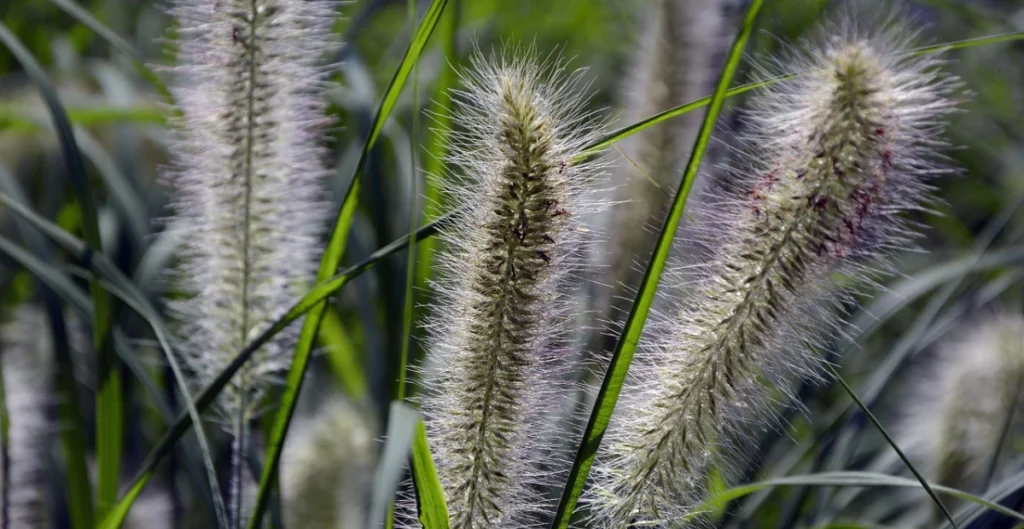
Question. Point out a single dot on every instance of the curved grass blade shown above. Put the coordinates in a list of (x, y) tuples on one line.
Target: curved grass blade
[(847, 479), (126, 290), (665, 115), (892, 443), (109, 405), (53, 279), (1006, 489), (332, 258), (206, 397), (86, 19), (626, 345)]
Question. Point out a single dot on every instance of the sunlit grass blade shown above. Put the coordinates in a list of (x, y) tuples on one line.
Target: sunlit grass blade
[(109, 405), (437, 142), (13, 118), (332, 258), (433, 511), (626, 345), (341, 355), (118, 43)]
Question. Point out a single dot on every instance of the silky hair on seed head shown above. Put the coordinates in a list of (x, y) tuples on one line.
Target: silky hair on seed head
[(27, 357), (497, 334), (829, 160), (957, 416)]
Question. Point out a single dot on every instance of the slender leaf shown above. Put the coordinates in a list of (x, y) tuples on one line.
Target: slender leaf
[(123, 288), (892, 443), (206, 397), (627, 343), (433, 511), (82, 15), (109, 406), (847, 479)]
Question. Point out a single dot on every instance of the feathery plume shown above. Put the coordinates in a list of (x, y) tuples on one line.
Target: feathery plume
[(27, 356), (247, 181), (956, 421), (327, 468), (834, 156), (679, 48), (497, 330)]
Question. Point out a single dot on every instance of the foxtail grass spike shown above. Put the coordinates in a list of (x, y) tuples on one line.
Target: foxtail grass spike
[(247, 181), (327, 469), (834, 156), (28, 364), (679, 47), (497, 333), (970, 409)]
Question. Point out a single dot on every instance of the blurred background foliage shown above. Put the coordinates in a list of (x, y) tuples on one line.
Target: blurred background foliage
[(122, 130)]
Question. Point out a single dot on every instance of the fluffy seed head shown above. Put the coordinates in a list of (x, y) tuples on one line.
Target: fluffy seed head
[(27, 355), (677, 52), (247, 176), (496, 331), (956, 422), (327, 469), (834, 156)]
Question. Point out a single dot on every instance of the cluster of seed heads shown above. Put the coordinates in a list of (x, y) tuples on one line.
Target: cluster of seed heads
[(834, 155)]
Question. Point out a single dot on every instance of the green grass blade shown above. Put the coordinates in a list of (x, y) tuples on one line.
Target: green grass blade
[(433, 511), (13, 118), (437, 144), (665, 115), (892, 443), (969, 43), (126, 290), (625, 347), (69, 415), (109, 405), (86, 19), (847, 479), (332, 258), (414, 219), (341, 355)]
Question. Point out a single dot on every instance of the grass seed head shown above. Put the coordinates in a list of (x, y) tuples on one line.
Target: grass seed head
[(834, 155), (496, 332)]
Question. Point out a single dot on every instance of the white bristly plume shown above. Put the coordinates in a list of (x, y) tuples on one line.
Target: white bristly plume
[(248, 183), (970, 407), (834, 156), (497, 332), (26, 350)]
